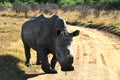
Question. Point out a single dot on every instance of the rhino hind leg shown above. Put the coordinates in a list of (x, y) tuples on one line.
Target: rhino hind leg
[(38, 61), (27, 54)]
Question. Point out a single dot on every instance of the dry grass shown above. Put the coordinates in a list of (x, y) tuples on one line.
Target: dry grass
[(10, 43)]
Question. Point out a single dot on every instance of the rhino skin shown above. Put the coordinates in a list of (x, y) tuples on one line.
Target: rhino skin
[(48, 35)]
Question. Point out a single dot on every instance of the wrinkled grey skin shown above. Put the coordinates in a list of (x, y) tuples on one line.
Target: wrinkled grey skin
[(48, 35)]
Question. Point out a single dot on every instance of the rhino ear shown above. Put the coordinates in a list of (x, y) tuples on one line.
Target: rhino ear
[(75, 33)]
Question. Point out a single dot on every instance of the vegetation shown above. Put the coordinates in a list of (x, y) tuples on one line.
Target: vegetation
[(26, 5), (19, 7), (113, 3), (11, 48)]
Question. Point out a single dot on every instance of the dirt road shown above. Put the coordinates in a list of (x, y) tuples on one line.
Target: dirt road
[(96, 57)]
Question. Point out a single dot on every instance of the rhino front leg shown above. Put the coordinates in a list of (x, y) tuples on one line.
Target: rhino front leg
[(45, 65), (38, 62), (53, 63), (44, 59)]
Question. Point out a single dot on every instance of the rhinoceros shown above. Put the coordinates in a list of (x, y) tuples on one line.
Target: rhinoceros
[(48, 35)]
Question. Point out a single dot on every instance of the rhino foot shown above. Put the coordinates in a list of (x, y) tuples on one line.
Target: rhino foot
[(48, 70), (53, 71)]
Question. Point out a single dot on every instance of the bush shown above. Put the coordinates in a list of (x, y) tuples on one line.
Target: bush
[(67, 2), (19, 7), (116, 4), (34, 6), (25, 9), (48, 8), (7, 4), (2, 7)]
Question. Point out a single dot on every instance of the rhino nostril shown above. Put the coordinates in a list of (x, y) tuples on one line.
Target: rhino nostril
[(70, 59), (67, 52), (70, 56)]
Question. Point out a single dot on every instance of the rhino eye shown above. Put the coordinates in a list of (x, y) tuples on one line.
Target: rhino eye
[(58, 32)]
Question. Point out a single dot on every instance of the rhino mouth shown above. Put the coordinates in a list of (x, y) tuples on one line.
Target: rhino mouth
[(67, 65), (67, 68)]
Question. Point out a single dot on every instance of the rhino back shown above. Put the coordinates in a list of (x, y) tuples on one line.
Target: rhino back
[(31, 29)]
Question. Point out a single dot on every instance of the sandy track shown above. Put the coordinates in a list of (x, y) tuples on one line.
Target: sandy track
[(97, 56)]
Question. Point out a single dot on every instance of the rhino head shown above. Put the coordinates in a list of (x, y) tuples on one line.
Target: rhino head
[(63, 50)]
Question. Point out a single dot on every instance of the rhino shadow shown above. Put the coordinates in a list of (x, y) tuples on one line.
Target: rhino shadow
[(9, 69)]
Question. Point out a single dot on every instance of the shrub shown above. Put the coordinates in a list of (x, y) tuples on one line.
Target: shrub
[(116, 4), (25, 9), (67, 2), (2, 7), (48, 8), (19, 7), (34, 6), (7, 4)]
